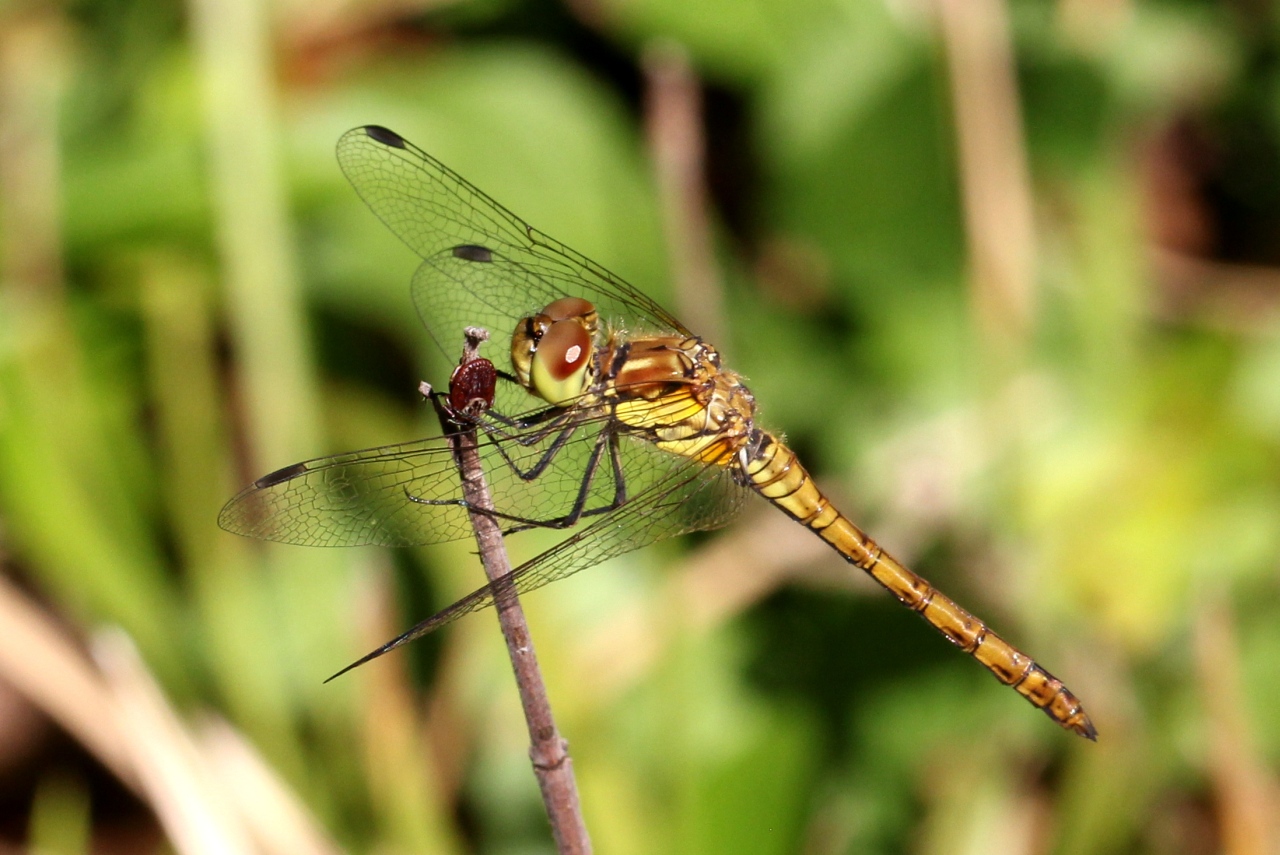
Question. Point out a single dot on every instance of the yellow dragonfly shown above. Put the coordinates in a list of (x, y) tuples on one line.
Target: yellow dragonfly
[(610, 419)]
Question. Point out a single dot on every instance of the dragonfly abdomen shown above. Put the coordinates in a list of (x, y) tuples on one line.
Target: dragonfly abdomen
[(777, 474)]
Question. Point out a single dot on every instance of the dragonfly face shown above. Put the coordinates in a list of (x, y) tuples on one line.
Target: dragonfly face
[(642, 433), (553, 352)]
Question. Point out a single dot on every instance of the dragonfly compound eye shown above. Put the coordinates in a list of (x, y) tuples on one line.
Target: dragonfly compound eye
[(524, 343), (561, 361), (572, 307)]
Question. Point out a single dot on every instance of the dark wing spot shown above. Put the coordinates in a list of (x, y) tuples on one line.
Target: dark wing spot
[(384, 136), (471, 252), (280, 475)]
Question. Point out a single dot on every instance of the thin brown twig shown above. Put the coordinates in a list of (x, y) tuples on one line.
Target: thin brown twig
[(1245, 792), (196, 813), (202, 795), (677, 145), (547, 750), (994, 176), (43, 664)]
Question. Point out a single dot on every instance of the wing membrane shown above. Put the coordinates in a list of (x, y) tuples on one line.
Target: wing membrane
[(434, 211), (687, 496), (409, 494)]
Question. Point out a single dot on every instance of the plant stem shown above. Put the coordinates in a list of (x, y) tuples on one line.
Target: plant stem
[(547, 750)]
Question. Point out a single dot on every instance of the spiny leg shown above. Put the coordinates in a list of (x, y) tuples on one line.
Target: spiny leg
[(607, 439)]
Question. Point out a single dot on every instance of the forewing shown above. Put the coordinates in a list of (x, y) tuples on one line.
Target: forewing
[(452, 293), (441, 216), (410, 494)]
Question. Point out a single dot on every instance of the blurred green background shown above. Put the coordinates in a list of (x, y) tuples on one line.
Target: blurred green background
[(1003, 273)]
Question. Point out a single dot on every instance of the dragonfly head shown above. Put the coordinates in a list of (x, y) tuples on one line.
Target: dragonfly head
[(552, 351)]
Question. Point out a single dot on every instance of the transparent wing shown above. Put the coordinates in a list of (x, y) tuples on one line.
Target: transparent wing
[(484, 266), (686, 496), (453, 293), (410, 494)]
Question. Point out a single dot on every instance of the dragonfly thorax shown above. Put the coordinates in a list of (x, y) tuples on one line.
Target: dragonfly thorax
[(673, 390), (552, 352)]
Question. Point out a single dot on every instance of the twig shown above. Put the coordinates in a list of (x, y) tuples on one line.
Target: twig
[(43, 664), (993, 169), (196, 813), (673, 124), (1244, 789), (547, 750)]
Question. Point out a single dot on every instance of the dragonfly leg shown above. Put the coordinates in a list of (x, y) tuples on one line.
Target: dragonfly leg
[(547, 457), (607, 439), (522, 424), (580, 510), (525, 475)]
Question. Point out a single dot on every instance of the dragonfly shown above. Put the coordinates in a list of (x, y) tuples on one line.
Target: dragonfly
[(606, 418)]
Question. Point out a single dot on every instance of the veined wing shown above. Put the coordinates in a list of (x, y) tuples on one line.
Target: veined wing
[(687, 496), (454, 290), (410, 494), (517, 269)]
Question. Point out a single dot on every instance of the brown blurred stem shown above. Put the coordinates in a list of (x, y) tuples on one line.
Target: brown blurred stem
[(548, 751), (677, 145), (1243, 787), (994, 177)]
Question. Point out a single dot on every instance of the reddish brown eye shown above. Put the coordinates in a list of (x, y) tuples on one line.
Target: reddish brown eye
[(552, 350), (560, 369), (564, 348), (569, 307)]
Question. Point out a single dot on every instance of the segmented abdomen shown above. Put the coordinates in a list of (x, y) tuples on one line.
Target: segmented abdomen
[(775, 472)]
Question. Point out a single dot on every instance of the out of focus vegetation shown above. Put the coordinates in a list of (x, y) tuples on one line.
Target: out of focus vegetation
[(1029, 336)]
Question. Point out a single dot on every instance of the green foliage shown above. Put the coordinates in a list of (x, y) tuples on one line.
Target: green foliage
[(1098, 495)]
